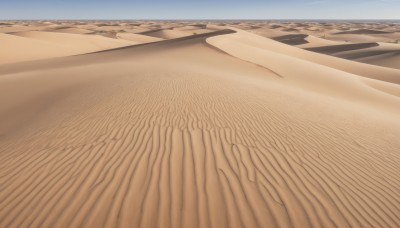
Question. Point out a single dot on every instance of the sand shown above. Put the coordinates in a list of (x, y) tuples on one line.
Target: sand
[(35, 45), (137, 38), (219, 129)]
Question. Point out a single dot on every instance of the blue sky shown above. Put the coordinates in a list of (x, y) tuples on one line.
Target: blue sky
[(205, 9)]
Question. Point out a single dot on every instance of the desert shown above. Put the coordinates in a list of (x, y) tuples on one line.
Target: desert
[(199, 123)]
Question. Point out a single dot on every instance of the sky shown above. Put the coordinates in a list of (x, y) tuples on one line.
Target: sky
[(205, 9)]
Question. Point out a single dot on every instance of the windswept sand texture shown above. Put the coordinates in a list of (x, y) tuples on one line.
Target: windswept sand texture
[(215, 126)]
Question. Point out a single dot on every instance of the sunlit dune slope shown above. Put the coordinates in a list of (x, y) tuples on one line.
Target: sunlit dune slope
[(28, 46)]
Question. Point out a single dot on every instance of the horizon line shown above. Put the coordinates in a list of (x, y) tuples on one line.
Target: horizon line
[(210, 19)]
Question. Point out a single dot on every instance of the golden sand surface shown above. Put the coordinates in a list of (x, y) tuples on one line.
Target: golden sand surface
[(199, 124)]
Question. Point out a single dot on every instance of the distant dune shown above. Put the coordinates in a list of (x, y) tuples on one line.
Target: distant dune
[(167, 33), (363, 31), (34, 45), (332, 49), (138, 38), (73, 30), (385, 58), (84, 43), (196, 126)]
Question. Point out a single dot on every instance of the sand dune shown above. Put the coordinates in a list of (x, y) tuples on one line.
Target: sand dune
[(333, 31), (17, 49), (270, 33), (85, 43), (222, 129), (381, 54), (387, 59), (354, 38), (376, 44), (370, 71), (314, 42), (363, 31), (305, 41), (293, 39), (73, 30), (167, 33), (331, 49), (34, 45), (19, 28), (332, 82), (138, 38)]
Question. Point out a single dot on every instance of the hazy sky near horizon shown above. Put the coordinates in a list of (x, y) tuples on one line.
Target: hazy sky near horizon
[(205, 9)]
